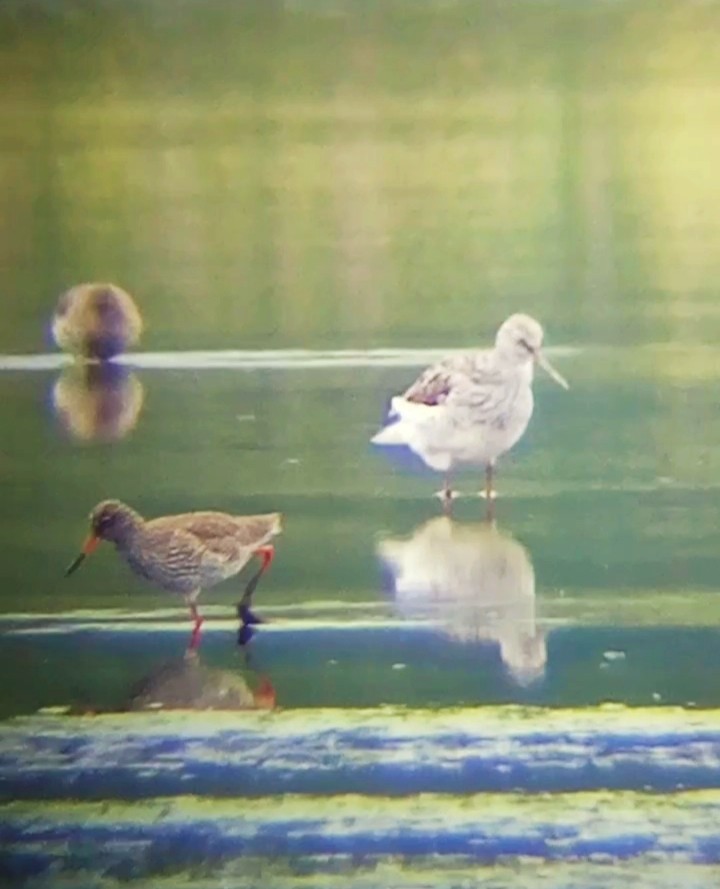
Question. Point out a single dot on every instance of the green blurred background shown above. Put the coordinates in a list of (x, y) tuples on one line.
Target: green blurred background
[(270, 174)]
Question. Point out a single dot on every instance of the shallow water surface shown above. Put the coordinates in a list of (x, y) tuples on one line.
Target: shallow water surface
[(598, 562), (600, 553)]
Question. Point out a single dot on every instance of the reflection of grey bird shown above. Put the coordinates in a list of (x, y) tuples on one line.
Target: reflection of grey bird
[(186, 684), (96, 321), (471, 408), (98, 402), (477, 582)]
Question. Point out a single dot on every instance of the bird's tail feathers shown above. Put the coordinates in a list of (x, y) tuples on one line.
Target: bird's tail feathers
[(406, 416), (392, 434), (276, 521)]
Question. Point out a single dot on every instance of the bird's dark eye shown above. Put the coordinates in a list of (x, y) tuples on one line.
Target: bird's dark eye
[(526, 345)]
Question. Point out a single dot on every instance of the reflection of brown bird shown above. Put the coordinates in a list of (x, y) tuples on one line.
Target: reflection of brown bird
[(96, 321), (188, 552), (98, 402), (477, 581), (186, 684)]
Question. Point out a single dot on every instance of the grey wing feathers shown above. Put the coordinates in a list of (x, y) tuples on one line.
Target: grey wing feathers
[(435, 384), (466, 377), (431, 388)]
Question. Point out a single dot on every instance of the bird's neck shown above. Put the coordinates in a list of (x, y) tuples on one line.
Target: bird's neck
[(510, 364), (131, 531)]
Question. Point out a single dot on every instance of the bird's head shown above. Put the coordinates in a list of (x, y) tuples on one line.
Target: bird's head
[(109, 520), (519, 341)]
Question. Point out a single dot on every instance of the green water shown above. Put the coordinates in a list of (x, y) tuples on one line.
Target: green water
[(267, 175)]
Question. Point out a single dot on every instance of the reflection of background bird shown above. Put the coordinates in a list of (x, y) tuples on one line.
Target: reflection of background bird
[(96, 321), (98, 402), (477, 581), (186, 684)]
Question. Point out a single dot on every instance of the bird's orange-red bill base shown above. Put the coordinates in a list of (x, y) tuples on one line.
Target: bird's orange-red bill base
[(88, 547)]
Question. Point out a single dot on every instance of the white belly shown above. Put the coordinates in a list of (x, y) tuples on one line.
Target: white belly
[(446, 436)]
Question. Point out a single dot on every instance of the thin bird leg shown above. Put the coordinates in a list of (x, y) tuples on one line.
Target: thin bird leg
[(489, 490), (247, 617), (489, 493), (267, 554), (446, 496), (197, 626)]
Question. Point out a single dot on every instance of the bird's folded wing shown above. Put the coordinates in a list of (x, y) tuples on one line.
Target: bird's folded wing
[(194, 537), (220, 549), (171, 548), (434, 385), (459, 378), (223, 534)]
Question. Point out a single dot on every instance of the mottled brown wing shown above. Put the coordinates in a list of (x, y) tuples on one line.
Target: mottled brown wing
[(223, 535), (169, 549), (198, 536), (255, 530), (434, 385)]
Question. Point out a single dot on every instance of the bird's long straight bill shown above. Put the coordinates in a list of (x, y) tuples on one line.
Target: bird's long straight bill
[(75, 564), (550, 370)]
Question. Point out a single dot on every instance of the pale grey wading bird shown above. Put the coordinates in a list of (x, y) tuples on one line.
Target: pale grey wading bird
[(470, 408)]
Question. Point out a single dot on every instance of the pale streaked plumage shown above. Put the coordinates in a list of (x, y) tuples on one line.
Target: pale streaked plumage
[(185, 553), (470, 408), (477, 582), (96, 321)]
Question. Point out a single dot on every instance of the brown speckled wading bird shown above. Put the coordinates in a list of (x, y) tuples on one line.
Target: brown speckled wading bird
[(188, 552)]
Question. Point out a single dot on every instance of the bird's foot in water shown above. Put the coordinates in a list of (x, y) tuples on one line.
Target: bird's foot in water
[(246, 615), (492, 494), (248, 619), (245, 634)]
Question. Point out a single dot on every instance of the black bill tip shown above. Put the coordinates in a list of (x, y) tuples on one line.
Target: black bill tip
[(75, 564)]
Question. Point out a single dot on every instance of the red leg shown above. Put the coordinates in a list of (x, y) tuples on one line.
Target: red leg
[(264, 694), (267, 554), (197, 626)]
